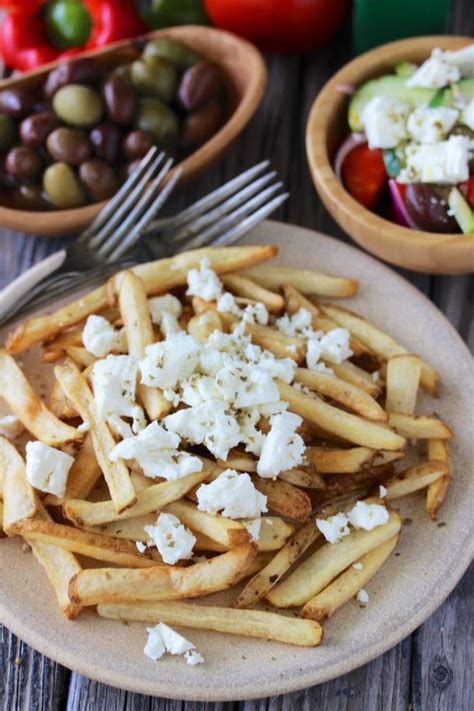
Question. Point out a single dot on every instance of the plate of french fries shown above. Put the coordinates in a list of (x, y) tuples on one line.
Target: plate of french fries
[(236, 472)]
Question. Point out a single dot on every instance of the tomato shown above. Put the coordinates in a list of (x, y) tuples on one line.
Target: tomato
[(470, 191), (280, 25), (364, 174)]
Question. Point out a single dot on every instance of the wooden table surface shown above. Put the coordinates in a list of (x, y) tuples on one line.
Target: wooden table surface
[(431, 669)]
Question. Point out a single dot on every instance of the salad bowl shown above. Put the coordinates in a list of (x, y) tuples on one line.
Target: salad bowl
[(327, 127)]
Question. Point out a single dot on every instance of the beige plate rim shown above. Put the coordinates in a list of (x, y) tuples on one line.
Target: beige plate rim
[(175, 681)]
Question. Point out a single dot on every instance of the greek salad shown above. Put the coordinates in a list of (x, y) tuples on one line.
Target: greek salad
[(410, 154)]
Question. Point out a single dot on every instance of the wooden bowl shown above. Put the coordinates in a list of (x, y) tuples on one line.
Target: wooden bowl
[(327, 126), (246, 76)]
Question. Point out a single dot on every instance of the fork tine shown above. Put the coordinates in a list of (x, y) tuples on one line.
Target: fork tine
[(113, 204), (235, 233)]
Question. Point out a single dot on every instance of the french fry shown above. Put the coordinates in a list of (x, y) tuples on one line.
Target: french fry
[(351, 427), (274, 533), (348, 395), (19, 498), (25, 404), (278, 343), (421, 427), (92, 545), (381, 343), (307, 281), (95, 586), (249, 623), (240, 461), (202, 325), (159, 277), (415, 478), (53, 350), (284, 498), (403, 378), (327, 562), (81, 357), (307, 478), (59, 404), (155, 498), (139, 329), (343, 588), (219, 528), (2, 531), (267, 578), (82, 476), (351, 373), (438, 449), (131, 529), (347, 461), (243, 286)]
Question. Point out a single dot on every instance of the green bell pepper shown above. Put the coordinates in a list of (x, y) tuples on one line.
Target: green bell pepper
[(68, 23), (166, 13)]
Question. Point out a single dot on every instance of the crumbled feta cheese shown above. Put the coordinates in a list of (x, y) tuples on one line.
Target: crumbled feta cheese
[(173, 540), (363, 597), (382, 491), (282, 448), (384, 119), (227, 304), (166, 304), (313, 353), (249, 433), (367, 516), (47, 468), (204, 282), (253, 526), (375, 376), (141, 547), (335, 345), (170, 325), (162, 638), (463, 59), (11, 426), (334, 527), (435, 73), (100, 337), (156, 451), (467, 116), (358, 566), (114, 382), (445, 163), (84, 427), (255, 313), (209, 424), (168, 362), (232, 494), (295, 325), (431, 125)]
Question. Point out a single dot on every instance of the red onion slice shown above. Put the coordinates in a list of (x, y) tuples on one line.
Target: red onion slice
[(355, 139), (400, 213)]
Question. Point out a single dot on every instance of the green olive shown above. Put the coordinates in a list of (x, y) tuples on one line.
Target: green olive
[(173, 50), (155, 77), (62, 186), (7, 133), (156, 118), (78, 105)]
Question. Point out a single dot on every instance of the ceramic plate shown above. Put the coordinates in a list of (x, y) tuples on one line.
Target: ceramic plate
[(430, 559)]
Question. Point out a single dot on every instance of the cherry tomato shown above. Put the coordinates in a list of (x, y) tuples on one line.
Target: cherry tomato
[(468, 190), (364, 174)]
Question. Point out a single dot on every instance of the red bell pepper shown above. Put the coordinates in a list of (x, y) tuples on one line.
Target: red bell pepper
[(364, 174), (113, 20)]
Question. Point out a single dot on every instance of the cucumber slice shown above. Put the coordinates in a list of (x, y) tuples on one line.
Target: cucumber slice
[(405, 69), (391, 162), (462, 213)]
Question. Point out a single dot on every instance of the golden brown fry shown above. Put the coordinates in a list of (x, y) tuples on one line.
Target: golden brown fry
[(422, 427), (307, 478), (240, 461), (278, 343), (203, 324), (91, 587), (351, 373), (81, 357), (403, 379), (19, 498), (82, 476), (307, 281), (250, 623), (53, 350), (243, 286), (438, 449), (347, 461), (219, 528), (348, 395), (415, 478), (139, 329), (25, 404), (343, 588), (351, 427), (272, 536), (156, 497), (116, 473), (60, 405), (327, 562), (132, 529), (284, 498)]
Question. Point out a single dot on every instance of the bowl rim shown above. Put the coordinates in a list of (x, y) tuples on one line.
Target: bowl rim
[(321, 167), (242, 113)]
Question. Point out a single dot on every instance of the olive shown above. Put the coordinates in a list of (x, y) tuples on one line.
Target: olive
[(136, 144), (120, 100), (80, 71), (122, 71), (78, 105), (200, 125), (16, 102), (62, 186), (155, 77), (28, 197), (156, 118), (173, 50), (35, 129), (98, 178), (427, 205), (23, 163), (7, 132), (106, 139), (69, 145), (199, 84)]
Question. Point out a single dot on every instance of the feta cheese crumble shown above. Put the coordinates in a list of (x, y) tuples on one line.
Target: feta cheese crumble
[(362, 597), (384, 120), (47, 468), (461, 58), (210, 424), (367, 516), (232, 494), (156, 452), (11, 426), (334, 527), (162, 638), (445, 163), (114, 382), (282, 448), (435, 72), (100, 337), (173, 540), (253, 526), (382, 491), (141, 547), (431, 125), (169, 361), (358, 566), (161, 305), (204, 282)]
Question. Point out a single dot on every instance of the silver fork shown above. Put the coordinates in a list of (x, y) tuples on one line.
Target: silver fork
[(115, 230), (222, 217)]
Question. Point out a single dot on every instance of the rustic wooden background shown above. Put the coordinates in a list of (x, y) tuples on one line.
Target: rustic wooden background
[(432, 669)]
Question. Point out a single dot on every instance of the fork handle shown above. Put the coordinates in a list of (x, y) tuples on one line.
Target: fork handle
[(14, 294)]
